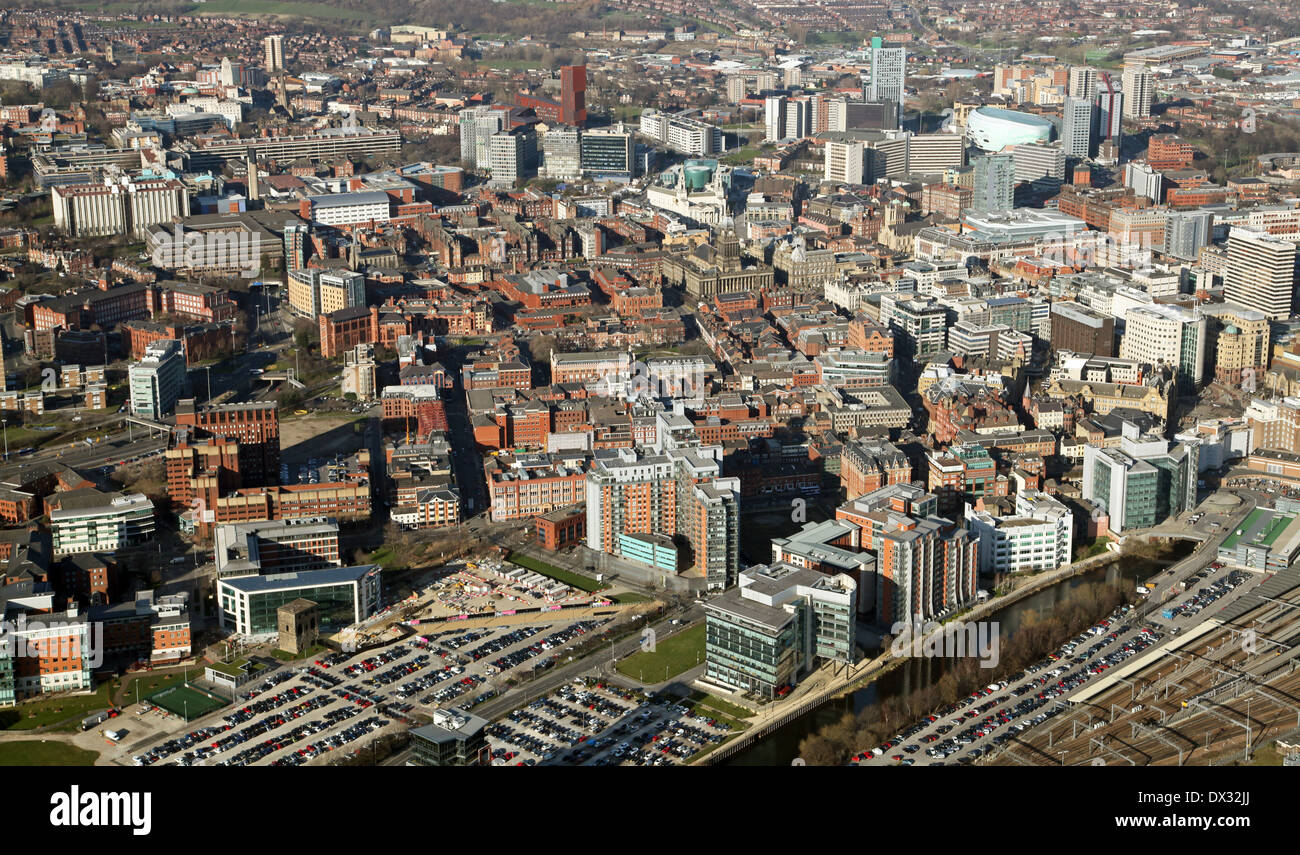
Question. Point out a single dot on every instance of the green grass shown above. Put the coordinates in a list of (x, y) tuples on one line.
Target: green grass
[(293, 657), (66, 711), (629, 597), (1096, 546), (671, 657), (272, 7), (582, 583), (725, 707), (741, 156), (185, 700), (36, 753)]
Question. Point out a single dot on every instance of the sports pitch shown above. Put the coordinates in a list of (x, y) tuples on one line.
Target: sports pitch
[(187, 701)]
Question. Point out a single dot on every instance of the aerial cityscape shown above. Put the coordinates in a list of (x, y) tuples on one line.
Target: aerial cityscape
[(649, 383)]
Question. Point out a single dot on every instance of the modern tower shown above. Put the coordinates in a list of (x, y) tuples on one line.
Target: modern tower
[(995, 183), (888, 72), (1076, 130), (273, 54), (1261, 272)]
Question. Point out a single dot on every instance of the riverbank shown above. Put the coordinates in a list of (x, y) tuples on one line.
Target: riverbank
[(833, 682)]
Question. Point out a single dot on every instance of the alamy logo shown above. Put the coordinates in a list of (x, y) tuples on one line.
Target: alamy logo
[(648, 638), (75, 808), (23, 639), (237, 251), (959, 639)]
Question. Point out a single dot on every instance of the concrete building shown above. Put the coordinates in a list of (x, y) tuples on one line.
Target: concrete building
[(1163, 334), (771, 629), (158, 380), (275, 546), (678, 494), (1038, 536), (87, 520), (1261, 273), (1077, 127), (1139, 91), (273, 53), (454, 738)]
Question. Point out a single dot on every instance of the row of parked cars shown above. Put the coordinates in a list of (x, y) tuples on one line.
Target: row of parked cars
[(984, 708), (332, 743)]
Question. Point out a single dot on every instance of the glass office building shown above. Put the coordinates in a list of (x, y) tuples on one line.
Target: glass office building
[(343, 596), (1143, 482), (768, 631)]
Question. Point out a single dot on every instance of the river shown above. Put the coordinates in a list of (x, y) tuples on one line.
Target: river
[(779, 748)]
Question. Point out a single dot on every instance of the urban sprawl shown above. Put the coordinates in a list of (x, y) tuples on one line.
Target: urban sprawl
[(619, 385)]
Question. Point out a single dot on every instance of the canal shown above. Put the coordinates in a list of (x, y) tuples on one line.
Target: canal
[(779, 748)]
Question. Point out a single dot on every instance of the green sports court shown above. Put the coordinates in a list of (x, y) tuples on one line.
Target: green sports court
[(186, 700)]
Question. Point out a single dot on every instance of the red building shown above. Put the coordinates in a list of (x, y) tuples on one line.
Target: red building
[(561, 528)]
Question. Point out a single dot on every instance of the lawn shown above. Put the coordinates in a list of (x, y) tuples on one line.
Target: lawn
[(67, 710), (671, 657), (719, 705), (582, 583), (34, 753), (293, 657), (629, 597)]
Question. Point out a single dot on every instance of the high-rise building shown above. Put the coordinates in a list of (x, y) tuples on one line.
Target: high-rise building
[(1139, 92), (774, 117), (848, 114), (1082, 83), (561, 154), (296, 238), (158, 380), (1039, 160), (512, 156), (1165, 334), (995, 183), (888, 73), (1186, 232), (1144, 180), (607, 154), (256, 427), (1110, 110), (650, 505), (1076, 127), (1261, 273), (1079, 329), (1141, 483), (477, 125), (273, 53), (843, 161), (573, 94)]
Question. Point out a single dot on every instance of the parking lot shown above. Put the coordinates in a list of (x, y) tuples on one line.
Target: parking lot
[(989, 717), (592, 723), (303, 714)]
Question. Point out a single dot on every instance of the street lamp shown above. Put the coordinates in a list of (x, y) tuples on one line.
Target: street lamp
[(4, 423)]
